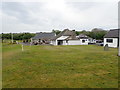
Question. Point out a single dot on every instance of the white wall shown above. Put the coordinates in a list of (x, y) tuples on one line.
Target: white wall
[(114, 44), (74, 42), (65, 43), (53, 42), (85, 43), (78, 42)]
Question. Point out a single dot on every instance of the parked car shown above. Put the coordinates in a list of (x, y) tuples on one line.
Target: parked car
[(99, 42)]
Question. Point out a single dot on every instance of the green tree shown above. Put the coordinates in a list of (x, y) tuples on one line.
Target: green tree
[(56, 31)]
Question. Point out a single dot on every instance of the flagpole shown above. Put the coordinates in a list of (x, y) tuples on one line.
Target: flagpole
[(119, 28)]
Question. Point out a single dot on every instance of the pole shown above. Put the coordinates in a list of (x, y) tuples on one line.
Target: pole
[(119, 43), (119, 28), (12, 37), (31, 41)]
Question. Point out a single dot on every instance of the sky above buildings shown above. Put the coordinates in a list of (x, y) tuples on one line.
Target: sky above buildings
[(43, 16)]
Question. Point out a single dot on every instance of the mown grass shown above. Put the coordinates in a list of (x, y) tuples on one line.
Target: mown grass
[(59, 67)]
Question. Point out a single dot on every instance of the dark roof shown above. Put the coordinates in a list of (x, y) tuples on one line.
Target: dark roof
[(66, 32), (112, 34), (43, 35)]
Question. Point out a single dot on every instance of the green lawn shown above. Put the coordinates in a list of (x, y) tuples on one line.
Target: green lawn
[(59, 67)]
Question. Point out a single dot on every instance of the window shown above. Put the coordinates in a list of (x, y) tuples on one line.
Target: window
[(83, 41), (109, 40), (66, 41)]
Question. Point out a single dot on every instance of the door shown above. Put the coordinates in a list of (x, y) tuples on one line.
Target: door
[(60, 42)]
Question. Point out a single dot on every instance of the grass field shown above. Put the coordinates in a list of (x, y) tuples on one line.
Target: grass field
[(59, 67)]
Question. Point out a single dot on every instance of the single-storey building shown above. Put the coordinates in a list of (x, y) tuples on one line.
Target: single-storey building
[(68, 37), (89, 39), (42, 38), (111, 38), (84, 39)]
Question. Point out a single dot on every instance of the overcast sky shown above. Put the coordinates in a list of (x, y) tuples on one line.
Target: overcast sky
[(58, 15)]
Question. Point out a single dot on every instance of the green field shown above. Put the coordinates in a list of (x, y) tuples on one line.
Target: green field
[(59, 67)]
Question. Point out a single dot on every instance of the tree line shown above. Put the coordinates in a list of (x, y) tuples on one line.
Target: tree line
[(94, 33), (17, 36)]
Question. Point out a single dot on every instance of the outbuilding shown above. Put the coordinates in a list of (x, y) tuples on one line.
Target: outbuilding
[(111, 38)]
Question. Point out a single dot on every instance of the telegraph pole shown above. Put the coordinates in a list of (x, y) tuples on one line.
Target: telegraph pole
[(119, 28), (119, 42), (12, 37)]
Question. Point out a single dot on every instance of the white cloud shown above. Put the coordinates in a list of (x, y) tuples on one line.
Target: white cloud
[(58, 0), (45, 16)]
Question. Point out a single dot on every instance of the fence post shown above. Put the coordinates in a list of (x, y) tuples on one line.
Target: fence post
[(22, 48)]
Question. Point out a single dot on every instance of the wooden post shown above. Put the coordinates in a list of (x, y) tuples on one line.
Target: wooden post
[(22, 48)]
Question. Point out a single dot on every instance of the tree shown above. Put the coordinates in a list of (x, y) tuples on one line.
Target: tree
[(56, 31), (97, 33), (17, 36)]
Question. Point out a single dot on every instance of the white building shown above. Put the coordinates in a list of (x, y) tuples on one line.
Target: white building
[(111, 38), (68, 37)]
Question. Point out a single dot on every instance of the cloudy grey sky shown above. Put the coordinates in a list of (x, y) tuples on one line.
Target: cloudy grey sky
[(58, 15)]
